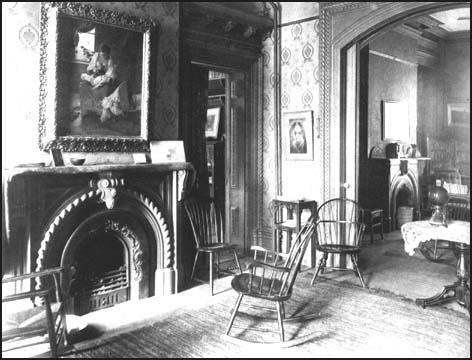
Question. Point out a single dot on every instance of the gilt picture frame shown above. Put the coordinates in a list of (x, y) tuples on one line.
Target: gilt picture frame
[(297, 137), (95, 76)]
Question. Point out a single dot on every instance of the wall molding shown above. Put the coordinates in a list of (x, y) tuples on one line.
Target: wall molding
[(393, 58), (300, 21)]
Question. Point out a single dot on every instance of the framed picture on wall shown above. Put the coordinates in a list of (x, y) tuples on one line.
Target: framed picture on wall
[(395, 120), (212, 123), (95, 84), (458, 114), (297, 135)]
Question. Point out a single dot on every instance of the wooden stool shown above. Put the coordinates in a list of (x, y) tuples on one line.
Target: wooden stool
[(376, 219)]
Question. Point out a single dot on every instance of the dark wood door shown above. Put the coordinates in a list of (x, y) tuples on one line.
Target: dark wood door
[(236, 159)]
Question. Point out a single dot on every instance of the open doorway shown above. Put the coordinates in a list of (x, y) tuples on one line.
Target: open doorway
[(405, 63), (215, 136), (216, 140)]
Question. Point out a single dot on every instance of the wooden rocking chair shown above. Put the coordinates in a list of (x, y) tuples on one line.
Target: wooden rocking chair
[(271, 276)]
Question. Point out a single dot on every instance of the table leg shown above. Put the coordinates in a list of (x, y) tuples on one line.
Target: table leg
[(459, 291)]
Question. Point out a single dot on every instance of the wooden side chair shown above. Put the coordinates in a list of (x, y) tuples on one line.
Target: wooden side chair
[(207, 224), (340, 230), (40, 320), (271, 276)]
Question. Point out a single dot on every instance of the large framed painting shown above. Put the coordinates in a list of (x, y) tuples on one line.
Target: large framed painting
[(95, 75), (297, 137)]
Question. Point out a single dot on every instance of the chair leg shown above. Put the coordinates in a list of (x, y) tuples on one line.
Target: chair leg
[(321, 265), (194, 265), (281, 322), (217, 255), (211, 273), (64, 327), (51, 328), (356, 267), (382, 228), (233, 315), (237, 261), (282, 305), (371, 230)]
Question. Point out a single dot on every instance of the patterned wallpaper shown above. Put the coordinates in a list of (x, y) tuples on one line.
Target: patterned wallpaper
[(20, 83), (299, 91), (20, 39)]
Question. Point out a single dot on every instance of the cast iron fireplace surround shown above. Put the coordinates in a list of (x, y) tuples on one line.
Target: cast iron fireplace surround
[(115, 227)]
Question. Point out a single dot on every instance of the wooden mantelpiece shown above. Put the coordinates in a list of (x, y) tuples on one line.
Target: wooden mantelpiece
[(88, 169), (45, 208)]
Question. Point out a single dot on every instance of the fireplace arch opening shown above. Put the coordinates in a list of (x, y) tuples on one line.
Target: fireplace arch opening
[(99, 272), (403, 193), (405, 196), (113, 255)]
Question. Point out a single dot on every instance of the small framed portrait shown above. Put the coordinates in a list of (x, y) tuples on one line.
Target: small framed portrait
[(212, 123), (458, 114), (297, 136)]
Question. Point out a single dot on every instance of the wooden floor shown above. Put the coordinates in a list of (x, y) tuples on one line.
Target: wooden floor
[(385, 266)]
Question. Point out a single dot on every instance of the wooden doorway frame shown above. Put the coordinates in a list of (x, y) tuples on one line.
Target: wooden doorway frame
[(355, 23), (251, 215)]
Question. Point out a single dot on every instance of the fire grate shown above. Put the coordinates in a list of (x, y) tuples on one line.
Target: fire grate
[(102, 291)]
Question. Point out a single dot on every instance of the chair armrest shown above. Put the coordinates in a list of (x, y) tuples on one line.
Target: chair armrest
[(257, 264), (26, 295), (33, 275), (268, 253)]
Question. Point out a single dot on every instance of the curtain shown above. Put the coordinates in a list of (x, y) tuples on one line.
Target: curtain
[(194, 91)]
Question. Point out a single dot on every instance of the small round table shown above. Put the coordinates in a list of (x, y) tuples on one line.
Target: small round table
[(457, 232)]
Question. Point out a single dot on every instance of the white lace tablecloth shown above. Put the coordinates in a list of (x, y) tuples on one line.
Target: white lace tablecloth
[(416, 232)]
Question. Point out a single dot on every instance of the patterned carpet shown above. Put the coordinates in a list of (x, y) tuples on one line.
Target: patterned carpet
[(349, 322)]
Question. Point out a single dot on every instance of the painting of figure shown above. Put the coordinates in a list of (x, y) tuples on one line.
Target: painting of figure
[(104, 64), (298, 135)]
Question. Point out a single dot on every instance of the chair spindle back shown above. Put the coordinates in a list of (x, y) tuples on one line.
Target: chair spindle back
[(340, 222), (206, 221), (275, 283)]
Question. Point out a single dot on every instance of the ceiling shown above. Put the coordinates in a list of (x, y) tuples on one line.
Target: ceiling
[(454, 20)]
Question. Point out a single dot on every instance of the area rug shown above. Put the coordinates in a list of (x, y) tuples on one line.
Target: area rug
[(348, 321)]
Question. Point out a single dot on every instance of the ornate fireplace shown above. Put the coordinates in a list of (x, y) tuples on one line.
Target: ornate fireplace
[(397, 182), (113, 226)]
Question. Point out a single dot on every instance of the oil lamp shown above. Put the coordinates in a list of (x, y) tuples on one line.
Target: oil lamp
[(438, 197)]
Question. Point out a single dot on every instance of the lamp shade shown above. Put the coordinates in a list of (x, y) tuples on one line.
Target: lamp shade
[(438, 196)]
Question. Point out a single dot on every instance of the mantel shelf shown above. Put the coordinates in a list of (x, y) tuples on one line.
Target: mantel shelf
[(96, 168)]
